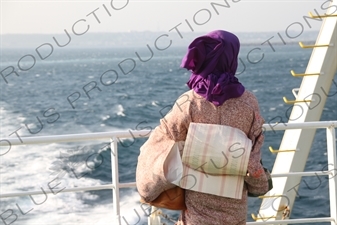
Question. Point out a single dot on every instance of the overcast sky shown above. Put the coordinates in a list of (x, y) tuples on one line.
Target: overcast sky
[(46, 16)]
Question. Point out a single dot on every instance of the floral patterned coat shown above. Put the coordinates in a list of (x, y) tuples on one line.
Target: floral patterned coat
[(204, 209)]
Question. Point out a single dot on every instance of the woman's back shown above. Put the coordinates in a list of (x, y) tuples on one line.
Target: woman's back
[(236, 112)]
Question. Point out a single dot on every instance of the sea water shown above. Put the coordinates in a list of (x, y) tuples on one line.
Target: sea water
[(95, 89)]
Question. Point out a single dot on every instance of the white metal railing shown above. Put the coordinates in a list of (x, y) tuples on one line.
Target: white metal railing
[(115, 186)]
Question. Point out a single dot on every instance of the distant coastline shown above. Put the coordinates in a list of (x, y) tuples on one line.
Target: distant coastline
[(140, 39)]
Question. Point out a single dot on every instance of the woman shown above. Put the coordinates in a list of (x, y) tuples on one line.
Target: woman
[(216, 97)]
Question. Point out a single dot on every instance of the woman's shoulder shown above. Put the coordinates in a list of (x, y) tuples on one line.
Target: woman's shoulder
[(250, 99), (249, 96), (190, 96)]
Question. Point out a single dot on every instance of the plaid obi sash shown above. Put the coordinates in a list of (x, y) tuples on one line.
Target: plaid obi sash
[(215, 160)]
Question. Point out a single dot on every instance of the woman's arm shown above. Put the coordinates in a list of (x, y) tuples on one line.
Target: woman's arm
[(256, 179)]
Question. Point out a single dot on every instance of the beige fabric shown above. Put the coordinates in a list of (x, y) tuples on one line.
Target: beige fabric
[(215, 159), (206, 209), (216, 149)]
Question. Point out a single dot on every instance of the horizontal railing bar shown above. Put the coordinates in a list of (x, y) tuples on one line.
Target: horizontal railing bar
[(76, 189), (75, 137), (311, 173), (48, 191), (294, 221), (304, 125), (143, 133), (133, 184), (127, 185)]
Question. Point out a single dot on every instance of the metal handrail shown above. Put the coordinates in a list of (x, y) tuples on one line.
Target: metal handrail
[(295, 221), (145, 133), (115, 186)]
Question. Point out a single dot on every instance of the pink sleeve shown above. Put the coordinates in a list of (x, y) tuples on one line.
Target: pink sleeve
[(150, 178), (256, 179)]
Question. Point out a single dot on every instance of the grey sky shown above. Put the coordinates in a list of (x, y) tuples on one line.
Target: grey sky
[(246, 15)]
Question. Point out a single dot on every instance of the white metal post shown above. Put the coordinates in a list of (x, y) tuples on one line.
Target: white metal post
[(115, 181), (332, 163), (154, 218)]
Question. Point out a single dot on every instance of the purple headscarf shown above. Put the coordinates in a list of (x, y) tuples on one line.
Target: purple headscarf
[(213, 60)]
